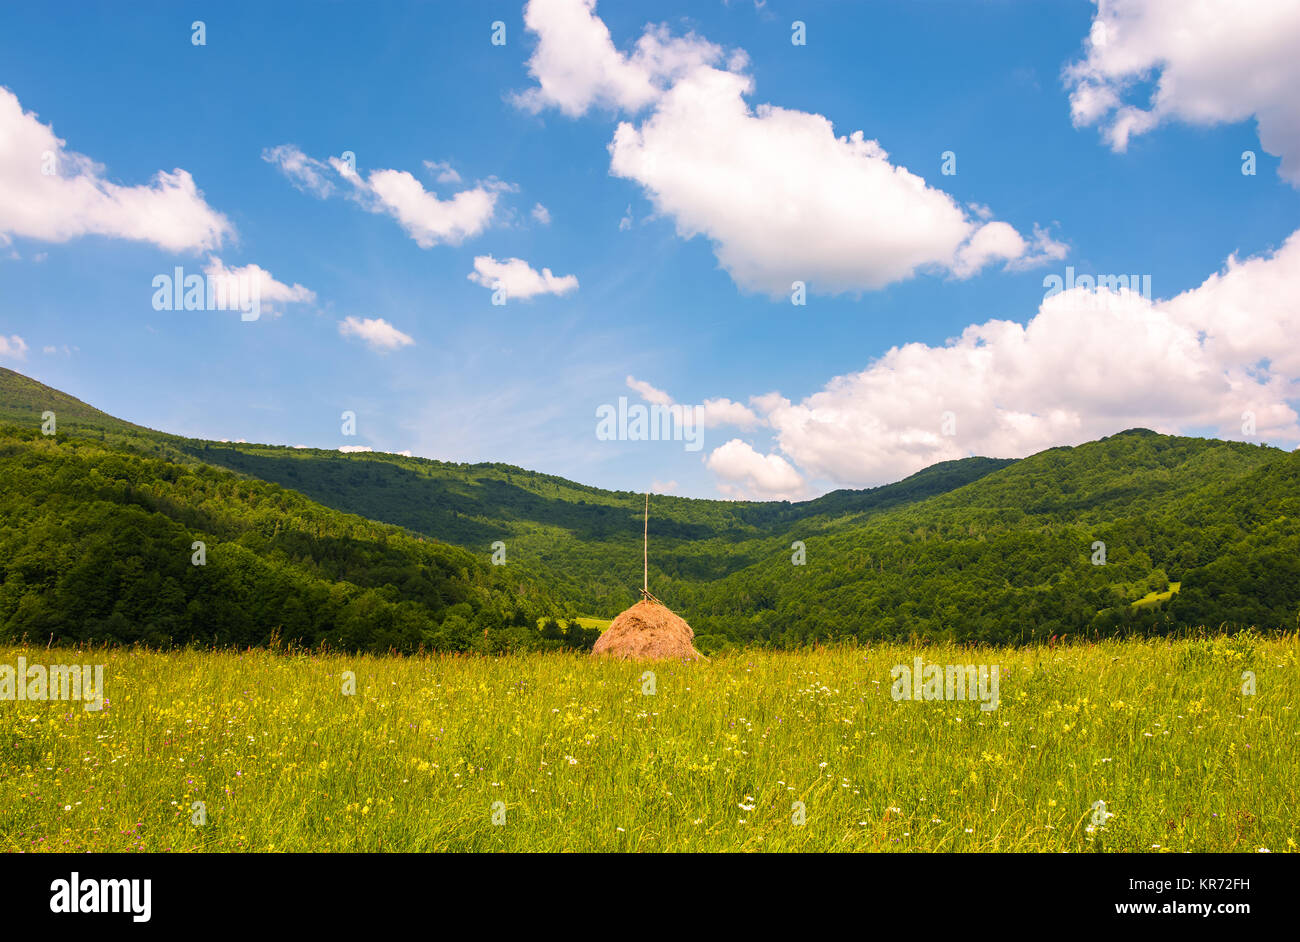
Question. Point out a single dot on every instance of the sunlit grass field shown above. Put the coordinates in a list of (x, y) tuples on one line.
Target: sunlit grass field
[(581, 759), (1155, 598)]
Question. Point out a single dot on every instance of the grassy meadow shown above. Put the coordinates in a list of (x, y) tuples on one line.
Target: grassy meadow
[(713, 760)]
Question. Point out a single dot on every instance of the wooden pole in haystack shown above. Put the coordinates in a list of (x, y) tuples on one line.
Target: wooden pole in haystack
[(648, 630), (645, 557)]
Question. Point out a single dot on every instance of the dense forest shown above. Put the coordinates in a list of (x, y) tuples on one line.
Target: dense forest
[(103, 540), (376, 551), (1015, 556)]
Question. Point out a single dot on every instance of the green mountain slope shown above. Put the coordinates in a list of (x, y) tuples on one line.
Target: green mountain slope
[(99, 541), (583, 541), (23, 402), (977, 549), (1011, 556)]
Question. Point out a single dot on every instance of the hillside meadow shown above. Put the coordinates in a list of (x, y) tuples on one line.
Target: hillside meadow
[(265, 751)]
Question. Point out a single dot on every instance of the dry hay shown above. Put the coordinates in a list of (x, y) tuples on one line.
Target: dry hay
[(647, 631)]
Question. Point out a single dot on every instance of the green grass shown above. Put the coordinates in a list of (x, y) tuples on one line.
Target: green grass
[(586, 621), (1153, 598), (714, 760)]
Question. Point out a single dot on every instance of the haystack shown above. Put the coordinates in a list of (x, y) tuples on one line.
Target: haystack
[(647, 631)]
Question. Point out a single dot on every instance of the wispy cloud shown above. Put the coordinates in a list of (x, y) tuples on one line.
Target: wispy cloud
[(13, 347), (375, 332), (424, 216)]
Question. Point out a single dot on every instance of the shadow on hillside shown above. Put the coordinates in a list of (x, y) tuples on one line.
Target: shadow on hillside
[(459, 510), (473, 511)]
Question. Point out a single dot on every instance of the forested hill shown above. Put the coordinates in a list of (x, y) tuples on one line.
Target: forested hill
[(108, 533), (1196, 532), (583, 541)]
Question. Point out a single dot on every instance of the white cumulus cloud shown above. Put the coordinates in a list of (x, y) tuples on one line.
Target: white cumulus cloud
[(426, 218), (1087, 364), (746, 473), (519, 279), (270, 293), (781, 197), (53, 194), (577, 66), (1212, 61)]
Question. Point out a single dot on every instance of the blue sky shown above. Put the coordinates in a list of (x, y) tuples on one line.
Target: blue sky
[(420, 89)]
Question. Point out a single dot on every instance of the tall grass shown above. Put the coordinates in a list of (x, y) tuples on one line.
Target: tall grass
[(715, 759)]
